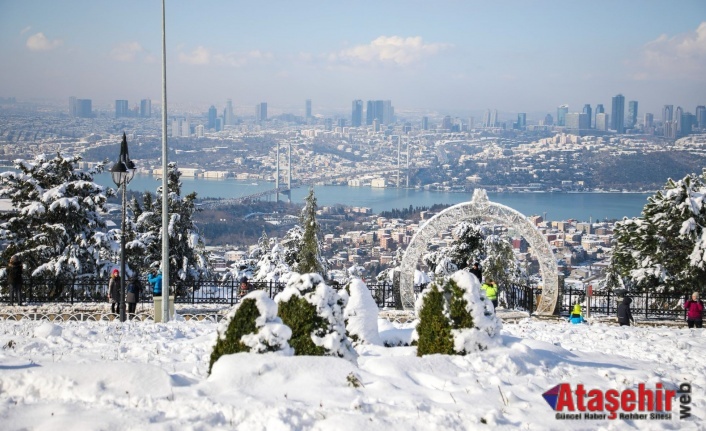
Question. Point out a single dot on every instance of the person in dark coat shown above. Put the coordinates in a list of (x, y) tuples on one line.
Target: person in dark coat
[(114, 291), (134, 288), (244, 287), (475, 270), (694, 311), (624, 314), (14, 279)]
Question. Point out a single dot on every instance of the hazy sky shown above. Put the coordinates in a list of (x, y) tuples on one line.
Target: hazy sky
[(514, 56)]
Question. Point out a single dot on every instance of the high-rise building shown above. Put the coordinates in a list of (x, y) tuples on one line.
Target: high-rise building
[(380, 110), (261, 111), (446, 123), (678, 114), (587, 110), (145, 108), (632, 114), (602, 121), (121, 109), (228, 116), (307, 110), (212, 115), (521, 120), (73, 106), (494, 118), (667, 113), (81, 108), (425, 123), (649, 122), (617, 114), (599, 110), (577, 121), (701, 117), (357, 113), (548, 120), (561, 112)]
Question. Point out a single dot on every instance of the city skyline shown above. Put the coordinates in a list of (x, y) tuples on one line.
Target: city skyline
[(509, 56)]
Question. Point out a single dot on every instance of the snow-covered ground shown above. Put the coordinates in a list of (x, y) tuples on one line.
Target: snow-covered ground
[(147, 376)]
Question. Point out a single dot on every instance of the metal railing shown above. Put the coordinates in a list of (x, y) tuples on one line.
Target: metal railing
[(227, 292), (645, 305)]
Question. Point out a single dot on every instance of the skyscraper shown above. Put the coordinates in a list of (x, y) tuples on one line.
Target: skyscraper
[(587, 111), (73, 106), (121, 108), (521, 120), (617, 114), (667, 113), (145, 108), (261, 111), (425, 123), (228, 117), (648, 122), (602, 121), (561, 112), (701, 117), (599, 110), (357, 113), (212, 115), (679, 122), (632, 114), (380, 110), (307, 110)]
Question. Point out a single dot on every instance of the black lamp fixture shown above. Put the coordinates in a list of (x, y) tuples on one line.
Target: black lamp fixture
[(122, 172)]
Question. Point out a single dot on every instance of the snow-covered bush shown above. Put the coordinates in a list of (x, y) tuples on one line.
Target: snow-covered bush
[(455, 317), (314, 312), (252, 326), (361, 314)]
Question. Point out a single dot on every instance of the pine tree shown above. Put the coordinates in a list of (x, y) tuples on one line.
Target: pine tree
[(56, 224), (310, 259), (188, 259), (665, 248)]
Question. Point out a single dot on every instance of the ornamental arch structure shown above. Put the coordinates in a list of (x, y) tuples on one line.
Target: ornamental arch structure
[(481, 207)]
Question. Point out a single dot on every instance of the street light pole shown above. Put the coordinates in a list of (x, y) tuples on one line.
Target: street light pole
[(122, 172)]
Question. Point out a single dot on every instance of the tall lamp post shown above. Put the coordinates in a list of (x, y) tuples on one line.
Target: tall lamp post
[(123, 171)]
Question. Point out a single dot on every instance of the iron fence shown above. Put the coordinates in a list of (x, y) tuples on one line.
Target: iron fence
[(644, 305), (226, 292)]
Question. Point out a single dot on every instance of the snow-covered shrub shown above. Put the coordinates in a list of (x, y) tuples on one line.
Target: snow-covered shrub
[(455, 317), (314, 312), (252, 326), (361, 314)]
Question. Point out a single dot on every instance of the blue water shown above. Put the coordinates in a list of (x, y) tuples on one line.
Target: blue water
[(557, 206)]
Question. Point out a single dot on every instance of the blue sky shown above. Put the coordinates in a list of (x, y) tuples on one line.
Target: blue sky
[(446, 55)]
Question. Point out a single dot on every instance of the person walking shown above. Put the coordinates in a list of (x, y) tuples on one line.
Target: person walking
[(134, 288), (475, 270), (624, 314), (155, 279), (491, 292), (694, 311), (14, 279), (114, 291)]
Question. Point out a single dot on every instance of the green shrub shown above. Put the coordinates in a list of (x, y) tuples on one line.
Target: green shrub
[(434, 328), (458, 308), (242, 323), (301, 317)]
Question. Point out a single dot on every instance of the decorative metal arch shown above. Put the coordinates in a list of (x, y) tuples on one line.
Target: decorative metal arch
[(481, 207)]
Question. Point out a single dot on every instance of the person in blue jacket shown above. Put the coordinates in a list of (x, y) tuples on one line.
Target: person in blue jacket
[(155, 279), (576, 316)]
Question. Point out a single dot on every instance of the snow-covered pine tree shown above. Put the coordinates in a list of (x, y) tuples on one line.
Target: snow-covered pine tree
[(453, 317), (56, 224), (252, 326), (665, 248), (310, 259), (314, 312), (188, 259)]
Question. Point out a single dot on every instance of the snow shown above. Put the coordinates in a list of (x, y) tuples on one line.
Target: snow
[(140, 375), (361, 314)]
